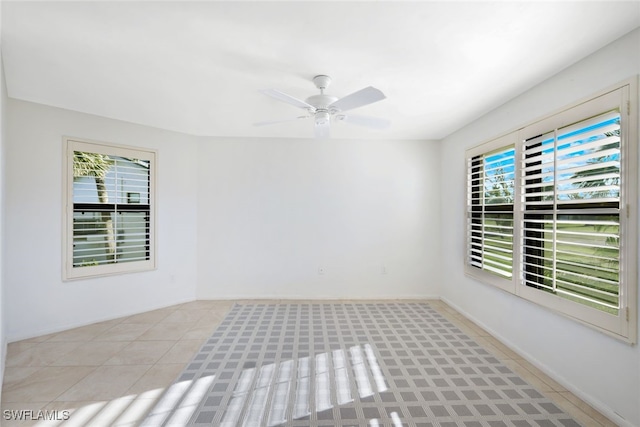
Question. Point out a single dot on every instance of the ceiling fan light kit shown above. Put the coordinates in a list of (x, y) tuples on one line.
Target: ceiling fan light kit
[(323, 107), (322, 117)]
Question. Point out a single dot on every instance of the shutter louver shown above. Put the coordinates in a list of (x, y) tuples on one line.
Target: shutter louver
[(571, 224), (111, 209), (490, 203)]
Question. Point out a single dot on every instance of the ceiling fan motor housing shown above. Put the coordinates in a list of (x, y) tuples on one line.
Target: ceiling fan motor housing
[(322, 101)]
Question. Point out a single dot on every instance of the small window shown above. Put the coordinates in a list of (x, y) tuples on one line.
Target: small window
[(491, 195), (109, 217)]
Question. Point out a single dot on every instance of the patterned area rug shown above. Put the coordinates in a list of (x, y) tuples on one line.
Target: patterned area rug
[(392, 364)]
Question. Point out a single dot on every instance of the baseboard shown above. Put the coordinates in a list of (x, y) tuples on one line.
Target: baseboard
[(57, 329), (68, 326), (595, 403), (73, 325), (324, 298)]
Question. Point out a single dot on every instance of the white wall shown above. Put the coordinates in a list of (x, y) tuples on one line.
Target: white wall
[(3, 323), (272, 212), (40, 301), (254, 218), (600, 369)]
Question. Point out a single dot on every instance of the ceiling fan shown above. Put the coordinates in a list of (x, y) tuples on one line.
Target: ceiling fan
[(322, 108)]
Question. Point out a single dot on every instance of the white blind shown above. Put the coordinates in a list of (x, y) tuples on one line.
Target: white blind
[(571, 223), (490, 184), (111, 209)]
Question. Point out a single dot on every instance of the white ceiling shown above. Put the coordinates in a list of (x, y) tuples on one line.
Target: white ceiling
[(197, 67)]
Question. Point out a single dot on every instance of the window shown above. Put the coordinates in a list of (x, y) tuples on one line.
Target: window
[(109, 216), (491, 183), (549, 218), (571, 233)]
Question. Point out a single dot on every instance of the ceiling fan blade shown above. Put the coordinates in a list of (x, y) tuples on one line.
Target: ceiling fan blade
[(322, 130), (273, 122), (281, 96), (367, 121), (365, 96)]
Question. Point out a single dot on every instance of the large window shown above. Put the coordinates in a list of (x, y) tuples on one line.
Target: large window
[(109, 209), (571, 233), (549, 212)]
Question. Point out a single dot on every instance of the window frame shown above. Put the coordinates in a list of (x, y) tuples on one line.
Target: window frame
[(622, 325), (481, 274), (72, 144)]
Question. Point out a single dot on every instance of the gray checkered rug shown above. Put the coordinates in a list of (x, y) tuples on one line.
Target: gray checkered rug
[(393, 364)]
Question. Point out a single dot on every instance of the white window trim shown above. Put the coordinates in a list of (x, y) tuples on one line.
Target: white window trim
[(623, 325), (71, 144)]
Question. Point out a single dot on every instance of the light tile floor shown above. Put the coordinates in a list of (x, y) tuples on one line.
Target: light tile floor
[(112, 373)]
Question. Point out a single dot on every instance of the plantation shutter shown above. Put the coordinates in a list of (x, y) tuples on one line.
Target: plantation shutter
[(490, 184), (571, 202), (111, 209)]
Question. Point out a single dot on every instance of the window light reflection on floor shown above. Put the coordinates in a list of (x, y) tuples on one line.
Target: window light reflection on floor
[(397, 422), (183, 398), (179, 403), (273, 384), (395, 419), (191, 400), (272, 387)]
